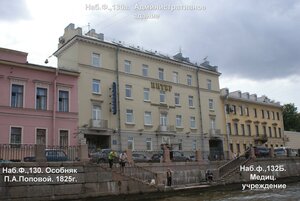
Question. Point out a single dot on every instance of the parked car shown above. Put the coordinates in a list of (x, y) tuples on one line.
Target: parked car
[(156, 157), (292, 152), (139, 157), (51, 155), (178, 156), (280, 152), (102, 156), (261, 151)]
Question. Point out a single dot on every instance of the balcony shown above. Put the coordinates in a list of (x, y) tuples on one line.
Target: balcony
[(166, 128), (214, 132), (98, 124)]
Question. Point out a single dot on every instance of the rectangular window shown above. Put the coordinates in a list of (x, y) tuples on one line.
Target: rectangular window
[(192, 122), (246, 111), (231, 147), (249, 129), (175, 77), (265, 130), (212, 122), (189, 80), (63, 101), (191, 101), (263, 114), (145, 70), (41, 136), (227, 108), (275, 131), (270, 131), (130, 143), (148, 144), (129, 116), (163, 119), (177, 99), (127, 66), (96, 112), (63, 138), (178, 121), (211, 104), (194, 145), (208, 84), (238, 148), (243, 129), (41, 98), (268, 114), (279, 132), (255, 112), (15, 137), (96, 87), (179, 144), (17, 93), (241, 110), (277, 113), (96, 60), (161, 74), (273, 115), (146, 94), (228, 128), (234, 109), (256, 130), (162, 97), (236, 128), (147, 118), (128, 91)]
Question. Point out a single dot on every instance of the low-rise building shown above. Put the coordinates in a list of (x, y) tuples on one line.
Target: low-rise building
[(38, 104), (251, 121)]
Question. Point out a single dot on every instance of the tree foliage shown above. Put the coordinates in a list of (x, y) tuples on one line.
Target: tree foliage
[(291, 117)]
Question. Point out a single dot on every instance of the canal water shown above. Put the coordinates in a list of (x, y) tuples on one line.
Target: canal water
[(220, 193)]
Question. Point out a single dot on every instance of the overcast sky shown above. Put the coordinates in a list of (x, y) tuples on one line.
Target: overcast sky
[(255, 44)]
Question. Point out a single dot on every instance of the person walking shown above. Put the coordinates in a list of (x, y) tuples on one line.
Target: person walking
[(123, 160), (111, 156), (169, 177)]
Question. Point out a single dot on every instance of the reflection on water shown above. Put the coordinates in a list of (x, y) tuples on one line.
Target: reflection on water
[(291, 193)]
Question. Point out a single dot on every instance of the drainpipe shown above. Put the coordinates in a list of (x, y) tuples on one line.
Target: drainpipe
[(200, 113), (118, 98), (54, 109)]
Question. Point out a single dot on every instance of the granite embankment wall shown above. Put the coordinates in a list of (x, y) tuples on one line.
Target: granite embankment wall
[(55, 181)]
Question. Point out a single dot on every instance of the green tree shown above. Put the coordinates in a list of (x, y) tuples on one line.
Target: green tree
[(291, 117)]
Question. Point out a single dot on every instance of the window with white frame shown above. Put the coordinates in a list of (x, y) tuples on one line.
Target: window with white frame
[(17, 94), (41, 98), (162, 97), (208, 84), (212, 122), (194, 144), (128, 91), (16, 136), (147, 118), (163, 119), (96, 60), (63, 138), (211, 104), (41, 136), (241, 110), (191, 101), (148, 144), (129, 116), (63, 101), (192, 122), (189, 80), (175, 77), (177, 99), (130, 143), (146, 94), (161, 74), (96, 86), (178, 121), (179, 144), (96, 112), (236, 128), (127, 66), (145, 70)]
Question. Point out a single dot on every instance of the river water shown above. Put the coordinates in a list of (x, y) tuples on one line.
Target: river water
[(291, 193), (219, 193)]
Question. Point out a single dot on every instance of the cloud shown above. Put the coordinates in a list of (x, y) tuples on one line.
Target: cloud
[(13, 10)]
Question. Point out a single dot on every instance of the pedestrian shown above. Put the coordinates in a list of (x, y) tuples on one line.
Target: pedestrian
[(169, 177), (209, 176), (111, 156), (123, 160)]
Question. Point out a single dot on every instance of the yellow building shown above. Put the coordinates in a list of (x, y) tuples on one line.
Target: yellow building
[(159, 99), (251, 121)]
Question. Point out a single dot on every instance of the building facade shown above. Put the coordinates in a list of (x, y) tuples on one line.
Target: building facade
[(38, 104), (252, 121), (131, 98)]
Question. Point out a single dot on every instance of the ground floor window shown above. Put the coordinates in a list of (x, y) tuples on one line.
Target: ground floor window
[(148, 144), (41, 136), (15, 136), (63, 138), (130, 143)]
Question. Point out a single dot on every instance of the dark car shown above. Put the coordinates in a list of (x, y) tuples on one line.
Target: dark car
[(178, 156), (139, 157), (51, 155), (102, 156), (261, 151), (156, 157)]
